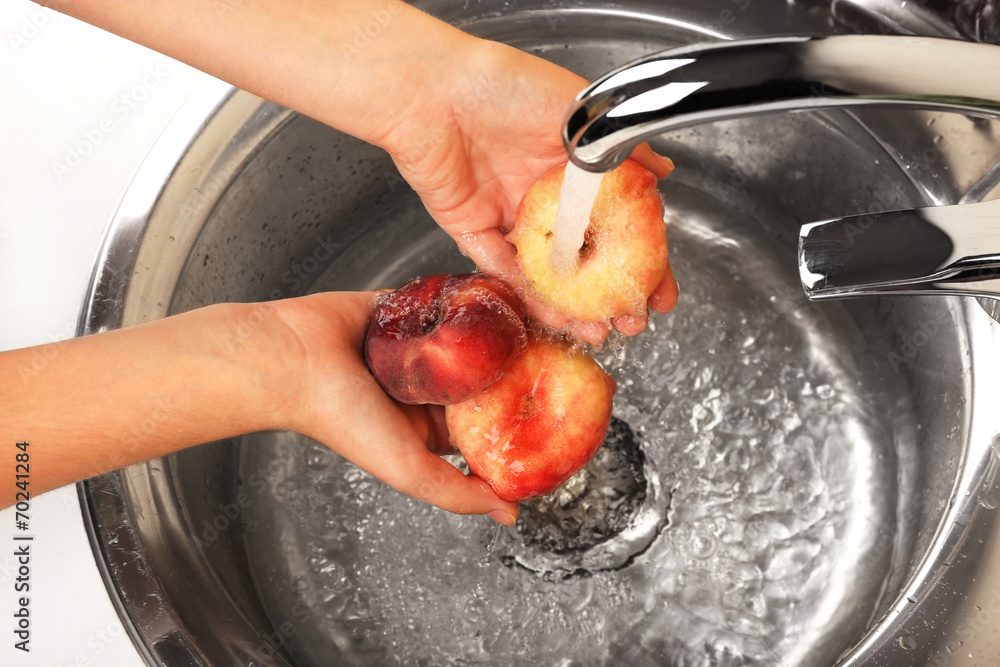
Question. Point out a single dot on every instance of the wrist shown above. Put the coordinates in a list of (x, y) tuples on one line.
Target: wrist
[(421, 89), (254, 338), (316, 349)]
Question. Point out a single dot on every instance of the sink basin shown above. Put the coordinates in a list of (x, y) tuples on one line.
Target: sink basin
[(786, 482)]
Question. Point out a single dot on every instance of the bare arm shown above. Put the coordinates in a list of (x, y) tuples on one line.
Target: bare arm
[(470, 123), (102, 402), (358, 66)]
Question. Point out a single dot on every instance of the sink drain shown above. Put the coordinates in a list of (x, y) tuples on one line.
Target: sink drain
[(595, 504), (600, 519)]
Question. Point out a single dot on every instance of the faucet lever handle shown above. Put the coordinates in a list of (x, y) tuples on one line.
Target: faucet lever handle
[(941, 249)]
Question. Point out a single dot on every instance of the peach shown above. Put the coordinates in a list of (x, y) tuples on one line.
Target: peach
[(443, 339), (624, 255), (539, 424)]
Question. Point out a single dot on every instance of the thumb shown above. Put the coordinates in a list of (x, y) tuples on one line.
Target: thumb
[(396, 439), (657, 164), (437, 482)]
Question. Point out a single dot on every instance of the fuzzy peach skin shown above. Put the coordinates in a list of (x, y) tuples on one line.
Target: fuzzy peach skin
[(539, 424), (443, 339), (624, 256)]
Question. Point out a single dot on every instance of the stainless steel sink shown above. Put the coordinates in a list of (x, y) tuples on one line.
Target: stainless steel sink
[(788, 482)]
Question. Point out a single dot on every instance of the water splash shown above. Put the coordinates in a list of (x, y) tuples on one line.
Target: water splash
[(750, 450), (487, 560), (576, 199)]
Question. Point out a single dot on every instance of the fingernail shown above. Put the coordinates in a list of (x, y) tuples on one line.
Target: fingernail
[(665, 162), (505, 518)]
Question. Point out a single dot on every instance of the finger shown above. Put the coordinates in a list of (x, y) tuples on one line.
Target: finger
[(594, 333), (391, 442), (491, 253), (657, 164), (664, 296), (435, 481), (543, 313), (438, 485), (439, 442), (630, 325)]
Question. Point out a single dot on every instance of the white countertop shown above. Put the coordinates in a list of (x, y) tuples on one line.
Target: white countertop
[(81, 107)]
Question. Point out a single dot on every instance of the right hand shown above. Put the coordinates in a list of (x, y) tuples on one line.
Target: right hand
[(477, 139)]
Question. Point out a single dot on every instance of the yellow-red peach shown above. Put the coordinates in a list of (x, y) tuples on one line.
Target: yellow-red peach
[(541, 422), (624, 255)]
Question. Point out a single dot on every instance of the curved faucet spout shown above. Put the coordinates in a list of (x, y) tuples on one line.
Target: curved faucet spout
[(699, 84)]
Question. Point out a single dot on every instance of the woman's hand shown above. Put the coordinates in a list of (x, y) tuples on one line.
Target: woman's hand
[(113, 399), (343, 407), (472, 146), (470, 123)]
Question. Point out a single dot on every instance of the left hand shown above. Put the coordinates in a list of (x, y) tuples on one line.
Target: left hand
[(341, 405)]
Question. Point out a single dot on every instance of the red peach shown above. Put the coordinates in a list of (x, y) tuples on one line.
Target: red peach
[(539, 424), (443, 339)]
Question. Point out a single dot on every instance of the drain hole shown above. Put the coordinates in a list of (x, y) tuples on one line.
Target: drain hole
[(594, 505)]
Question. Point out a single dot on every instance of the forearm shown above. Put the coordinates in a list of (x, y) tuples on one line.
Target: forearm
[(94, 404), (358, 66)]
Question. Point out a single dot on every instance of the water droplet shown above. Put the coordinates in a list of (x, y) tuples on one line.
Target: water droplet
[(989, 500), (908, 643), (743, 485), (996, 445), (703, 545), (318, 457), (487, 560)]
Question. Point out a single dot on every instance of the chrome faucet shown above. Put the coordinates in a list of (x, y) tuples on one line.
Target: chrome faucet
[(953, 249), (704, 83)]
